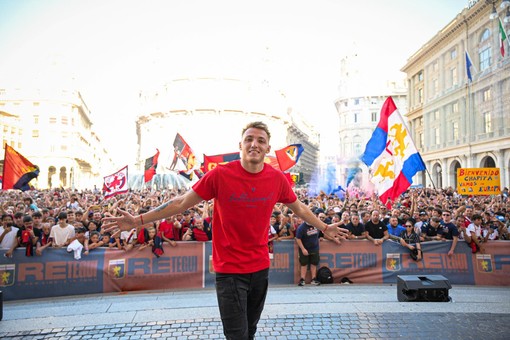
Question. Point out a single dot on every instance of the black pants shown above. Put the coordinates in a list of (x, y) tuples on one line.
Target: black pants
[(241, 300)]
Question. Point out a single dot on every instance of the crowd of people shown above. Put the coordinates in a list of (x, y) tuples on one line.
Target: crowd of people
[(38, 219), (245, 206)]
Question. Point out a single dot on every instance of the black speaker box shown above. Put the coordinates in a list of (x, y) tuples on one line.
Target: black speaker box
[(423, 288)]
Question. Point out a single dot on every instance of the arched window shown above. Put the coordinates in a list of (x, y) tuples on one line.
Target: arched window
[(63, 176), (484, 51), (51, 173)]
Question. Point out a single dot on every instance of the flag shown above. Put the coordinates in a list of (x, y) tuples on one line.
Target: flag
[(289, 156), (502, 38), (151, 164), (469, 64), (391, 154), (116, 183), (210, 162), (184, 152), (18, 171), (188, 174), (271, 160)]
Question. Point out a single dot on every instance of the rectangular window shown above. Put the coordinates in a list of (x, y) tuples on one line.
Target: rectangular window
[(374, 116), (435, 87), (355, 117), (36, 119), (436, 136), (487, 95), (455, 107), (64, 120), (35, 133), (420, 95), (453, 72), (436, 115), (455, 127), (420, 76), (422, 139), (356, 101), (53, 120), (453, 54), (487, 122)]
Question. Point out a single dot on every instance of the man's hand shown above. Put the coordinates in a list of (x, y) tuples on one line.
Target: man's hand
[(333, 231), (124, 222)]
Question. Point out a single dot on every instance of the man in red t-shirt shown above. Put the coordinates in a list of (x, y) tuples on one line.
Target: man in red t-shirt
[(166, 230), (197, 232), (245, 188)]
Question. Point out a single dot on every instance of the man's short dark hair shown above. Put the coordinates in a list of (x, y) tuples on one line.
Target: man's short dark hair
[(476, 217), (62, 215)]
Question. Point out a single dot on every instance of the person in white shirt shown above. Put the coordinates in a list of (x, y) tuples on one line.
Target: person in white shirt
[(62, 233), (473, 235), (8, 232)]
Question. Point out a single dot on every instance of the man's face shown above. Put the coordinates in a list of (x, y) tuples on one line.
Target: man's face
[(7, 220), (199, 223), (345, 216), (468, 212), (355, 219), (254, 146), (375, 216), (393, 221), (447, 216)]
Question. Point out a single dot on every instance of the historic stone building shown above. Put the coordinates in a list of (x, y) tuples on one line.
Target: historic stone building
[(457, 122), (209, 114), (53, 130)]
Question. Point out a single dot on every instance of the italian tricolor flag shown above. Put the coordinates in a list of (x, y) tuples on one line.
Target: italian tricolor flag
[(502, 38)]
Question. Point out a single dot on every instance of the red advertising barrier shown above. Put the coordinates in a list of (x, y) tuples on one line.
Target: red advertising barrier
[(187, 266)]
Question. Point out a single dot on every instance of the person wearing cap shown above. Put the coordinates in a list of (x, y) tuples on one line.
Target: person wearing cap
[(433, 231), (62, 233), (187, 222), (420, 225), (450, 231)]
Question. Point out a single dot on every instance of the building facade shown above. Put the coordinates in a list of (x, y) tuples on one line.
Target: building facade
[(53, 130), (358, 108), (209, 114), (457, 122)]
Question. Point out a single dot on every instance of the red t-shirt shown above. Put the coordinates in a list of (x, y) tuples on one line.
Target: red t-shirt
[(200, 235), (166, 229), (242, 207)]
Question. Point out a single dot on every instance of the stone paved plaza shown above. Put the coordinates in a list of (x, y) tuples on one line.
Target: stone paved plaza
[(324, 312)]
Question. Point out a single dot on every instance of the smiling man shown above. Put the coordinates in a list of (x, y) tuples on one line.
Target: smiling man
[(245, 192)]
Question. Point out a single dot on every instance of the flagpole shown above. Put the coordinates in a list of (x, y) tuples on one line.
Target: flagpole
[(428, 173)]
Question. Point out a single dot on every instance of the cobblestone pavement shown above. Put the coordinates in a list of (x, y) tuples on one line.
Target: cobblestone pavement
[(317, 326)]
